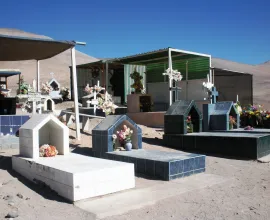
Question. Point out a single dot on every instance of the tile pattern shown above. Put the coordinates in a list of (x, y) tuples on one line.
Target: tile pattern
[(10, 124), (160, 164), (175, 119), (243, 145), (102, 141)]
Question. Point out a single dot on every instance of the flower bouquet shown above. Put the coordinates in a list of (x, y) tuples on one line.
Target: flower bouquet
[(89, 90), (46, 88), (65, 93), (232, 122), (47, 150), (137, 85), (189, 125), (124, 138)]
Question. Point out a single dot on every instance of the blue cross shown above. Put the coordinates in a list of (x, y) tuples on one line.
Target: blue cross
[(214, 95), (176, 90)]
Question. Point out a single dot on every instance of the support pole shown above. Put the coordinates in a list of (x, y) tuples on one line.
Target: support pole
[(75, 91), (38, 77), (107, 75), (187, 80), (170, 81), (19, 83), (6, 82)]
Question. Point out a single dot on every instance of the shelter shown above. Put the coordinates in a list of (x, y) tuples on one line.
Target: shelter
[(5, 73), (193, 66), (21, 48)]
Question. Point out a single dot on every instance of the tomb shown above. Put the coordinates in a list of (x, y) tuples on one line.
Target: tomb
[(48, 104), (176, 118), (71, 175), (55, 93), (251, 145), (139, 103), (216, 117), (157, 164)]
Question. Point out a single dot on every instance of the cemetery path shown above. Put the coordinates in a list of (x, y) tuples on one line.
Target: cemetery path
[(244, 193)]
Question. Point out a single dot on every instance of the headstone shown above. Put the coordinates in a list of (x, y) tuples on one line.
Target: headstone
[(217, 116), (102, 141), (175, 119), (214, 95)]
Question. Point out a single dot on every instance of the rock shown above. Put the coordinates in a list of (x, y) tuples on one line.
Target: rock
[(11, 203), (20, 195), (8, 197), (12, 214), (27, 198)]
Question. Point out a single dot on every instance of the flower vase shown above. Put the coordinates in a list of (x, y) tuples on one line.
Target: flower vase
[(230, 126), (128, 146)]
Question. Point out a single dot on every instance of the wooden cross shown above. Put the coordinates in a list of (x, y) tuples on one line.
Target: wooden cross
[(214, 94)]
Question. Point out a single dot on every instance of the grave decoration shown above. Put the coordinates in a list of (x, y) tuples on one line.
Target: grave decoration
[(221, 116), (158, 164), (99, 100), (123, 138), (182, 117), (210, 90), (23, 87), (71, 175), (175, 76), (137, 85), (65, 93), (46, 88)]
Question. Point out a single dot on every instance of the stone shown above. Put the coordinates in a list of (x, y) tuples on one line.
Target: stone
[(20, 195), (175, 119), (12, 214), (11, 203), (77, 177), (8, 197)]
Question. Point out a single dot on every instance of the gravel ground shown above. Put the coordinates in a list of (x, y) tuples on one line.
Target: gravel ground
[(245, 196)]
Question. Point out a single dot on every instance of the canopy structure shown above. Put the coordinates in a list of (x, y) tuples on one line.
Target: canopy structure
[(9, 72), (192, 65), (20, 48), (13, 48)]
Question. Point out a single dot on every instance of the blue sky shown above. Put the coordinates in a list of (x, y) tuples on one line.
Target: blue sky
[(234, 30)]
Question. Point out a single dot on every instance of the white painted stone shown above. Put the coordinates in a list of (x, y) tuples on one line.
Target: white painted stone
[(77, 177), (43, 129), (48, 104)]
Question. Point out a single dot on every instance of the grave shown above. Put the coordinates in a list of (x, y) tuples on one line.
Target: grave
[(175, 119), (216, 117), (72, 176), (157, 164), (241, 144), (55, 93), (48, 104)]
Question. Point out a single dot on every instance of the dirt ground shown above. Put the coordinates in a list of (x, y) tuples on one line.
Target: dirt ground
[(245, 196)]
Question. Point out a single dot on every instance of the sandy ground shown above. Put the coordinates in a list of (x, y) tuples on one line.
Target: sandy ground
[(245, 196)]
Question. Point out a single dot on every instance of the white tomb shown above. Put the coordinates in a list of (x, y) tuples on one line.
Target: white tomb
[(48, 104), (71, 175)]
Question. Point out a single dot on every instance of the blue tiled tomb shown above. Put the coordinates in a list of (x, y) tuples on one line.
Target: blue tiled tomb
[(10, 124)]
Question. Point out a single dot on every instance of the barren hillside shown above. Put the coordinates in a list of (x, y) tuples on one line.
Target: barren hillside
[(59, 64)]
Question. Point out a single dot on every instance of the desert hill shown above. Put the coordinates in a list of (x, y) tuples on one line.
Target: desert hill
[(59, 64)]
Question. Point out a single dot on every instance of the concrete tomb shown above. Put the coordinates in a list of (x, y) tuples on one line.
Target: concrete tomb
[(216, 117), (10, 124), (72, 176), (158, 164)]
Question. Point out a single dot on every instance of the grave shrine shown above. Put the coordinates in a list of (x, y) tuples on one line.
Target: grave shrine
[(175, 119), (71, 175), (216, 117)]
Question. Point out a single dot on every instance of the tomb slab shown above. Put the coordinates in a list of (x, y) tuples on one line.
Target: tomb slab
[(77, 177)]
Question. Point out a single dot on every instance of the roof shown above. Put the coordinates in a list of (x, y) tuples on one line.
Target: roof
[(231, 66), (9, 72), (15, 48), (157, 56)]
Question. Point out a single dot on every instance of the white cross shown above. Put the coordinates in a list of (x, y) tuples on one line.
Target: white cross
[(94, 101)]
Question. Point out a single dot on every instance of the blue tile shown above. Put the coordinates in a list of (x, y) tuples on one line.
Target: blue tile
[(5, 129), (25, 118), (140, 165), (199, 171), (189, 164), (150, 167), (179, 175), (15, 129), (160, 169), (176, 167), (187, 173), (17, 120), (6, 121), (199, 162), (134, 161), (109, 143)]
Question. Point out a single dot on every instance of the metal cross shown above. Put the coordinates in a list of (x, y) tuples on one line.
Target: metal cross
[(214, 95), (176, 90)]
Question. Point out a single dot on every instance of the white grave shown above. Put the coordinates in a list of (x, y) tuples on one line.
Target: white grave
[(72, 176), (48, 104)]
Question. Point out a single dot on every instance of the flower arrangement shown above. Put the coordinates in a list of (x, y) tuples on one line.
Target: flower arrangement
[(232, 122), (238, 107), (248, 128), (208, 86), (105, 103), (65, 93), (137, 85), (23, 87), (47, 150), (189, 125), (46, 88), (123, 136), (26, 107), (89, 90), (173, 75)]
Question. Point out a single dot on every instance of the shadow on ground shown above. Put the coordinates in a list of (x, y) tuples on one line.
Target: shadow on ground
[(41, 189)]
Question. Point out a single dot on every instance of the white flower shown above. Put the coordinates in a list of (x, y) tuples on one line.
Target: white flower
[(208, 85), (114, 136), (173, 74)]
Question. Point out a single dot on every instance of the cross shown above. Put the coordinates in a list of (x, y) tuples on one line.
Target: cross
[(214, 94), (176, 89), (94, 101)]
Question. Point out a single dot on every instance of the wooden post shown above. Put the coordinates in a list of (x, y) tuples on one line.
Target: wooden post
[(6, 83), (75, 90)]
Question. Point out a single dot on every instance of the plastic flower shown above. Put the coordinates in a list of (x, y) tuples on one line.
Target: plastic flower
[(173, 74)]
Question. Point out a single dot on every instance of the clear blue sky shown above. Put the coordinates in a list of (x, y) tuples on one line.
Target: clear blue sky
[(234, 30)]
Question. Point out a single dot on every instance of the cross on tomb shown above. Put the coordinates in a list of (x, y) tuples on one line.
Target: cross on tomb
[(214, 94), (176, 89)]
